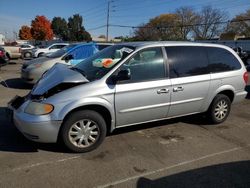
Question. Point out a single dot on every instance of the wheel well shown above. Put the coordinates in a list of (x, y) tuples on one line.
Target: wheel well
[(8, 55), (104, 112), (228, 93)]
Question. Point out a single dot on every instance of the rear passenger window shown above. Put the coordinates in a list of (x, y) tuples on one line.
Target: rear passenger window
[(221, 60), (146, 65), (187, 61)]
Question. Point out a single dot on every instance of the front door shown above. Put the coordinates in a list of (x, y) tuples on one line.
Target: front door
[(146, 96)]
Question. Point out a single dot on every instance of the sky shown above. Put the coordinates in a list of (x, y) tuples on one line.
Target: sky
[(15, 13)]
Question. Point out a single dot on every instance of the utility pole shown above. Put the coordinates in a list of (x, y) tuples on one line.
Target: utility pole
[(107, 33)]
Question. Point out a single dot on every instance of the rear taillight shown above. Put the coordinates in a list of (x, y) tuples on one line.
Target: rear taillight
[(245, 77), (1, 53)]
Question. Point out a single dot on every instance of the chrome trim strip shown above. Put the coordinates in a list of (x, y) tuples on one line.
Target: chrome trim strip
[(159, 105), (187, 101), (144, 107)]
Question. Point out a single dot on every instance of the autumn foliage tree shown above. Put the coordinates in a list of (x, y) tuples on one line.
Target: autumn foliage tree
[(25, 33), (41, 28)]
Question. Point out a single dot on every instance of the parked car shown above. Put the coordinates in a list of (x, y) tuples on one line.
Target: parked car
[(26, 47), (70, 55), (38, 52), (3, 58), (242, 54), (12, 51), (26, 54), (26, 51), (129, 84)]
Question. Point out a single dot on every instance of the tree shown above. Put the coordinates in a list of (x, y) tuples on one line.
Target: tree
[(102, 37), (24, 33), (60, 27), (41, 28), (240, 24), (162, 27), (185, 19), (207, 23), (76, 30)]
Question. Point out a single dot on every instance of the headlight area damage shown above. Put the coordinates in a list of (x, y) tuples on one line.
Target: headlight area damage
[(59, 78)]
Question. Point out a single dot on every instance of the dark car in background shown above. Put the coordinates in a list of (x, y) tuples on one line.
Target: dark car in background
[(242, 54), (3, 57)]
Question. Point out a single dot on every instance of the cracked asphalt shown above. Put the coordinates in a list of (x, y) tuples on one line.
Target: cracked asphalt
[(182, 152)]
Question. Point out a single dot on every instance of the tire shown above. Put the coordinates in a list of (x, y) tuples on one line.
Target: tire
[(40, 54), (219, 109), (8, 55), (27, 55), (76, 132)]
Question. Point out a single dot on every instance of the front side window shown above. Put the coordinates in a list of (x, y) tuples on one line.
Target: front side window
[(187, 61), (221, 60), (98, 65), (147, 64)]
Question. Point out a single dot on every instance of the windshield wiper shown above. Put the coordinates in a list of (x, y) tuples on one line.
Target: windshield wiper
[(79, 70)]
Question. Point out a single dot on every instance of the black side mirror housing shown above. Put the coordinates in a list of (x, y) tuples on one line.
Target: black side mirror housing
[(122, 75), (68, 57)]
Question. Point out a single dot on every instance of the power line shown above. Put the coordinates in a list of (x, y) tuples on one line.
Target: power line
[(92, 8), (173, 26), (96, 28)]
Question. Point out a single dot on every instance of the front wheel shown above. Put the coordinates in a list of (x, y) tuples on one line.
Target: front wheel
[(219, 109), (83, 131), (40, 54)]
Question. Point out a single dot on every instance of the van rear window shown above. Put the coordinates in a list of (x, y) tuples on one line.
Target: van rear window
[(221, 60)]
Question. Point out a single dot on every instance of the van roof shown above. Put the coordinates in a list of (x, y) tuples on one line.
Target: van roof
[(169, 43)]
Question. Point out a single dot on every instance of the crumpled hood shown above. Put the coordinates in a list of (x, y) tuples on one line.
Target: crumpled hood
[(58, 74)]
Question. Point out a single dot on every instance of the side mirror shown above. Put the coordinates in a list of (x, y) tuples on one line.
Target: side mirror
[(122, 75), (68, 57)]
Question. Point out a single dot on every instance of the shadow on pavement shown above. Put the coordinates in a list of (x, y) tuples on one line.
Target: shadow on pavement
[(11, 140), (16, 83), (12, 63), (228, 175)]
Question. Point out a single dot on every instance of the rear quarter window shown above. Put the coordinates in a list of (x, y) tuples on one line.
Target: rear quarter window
[(221, 60)]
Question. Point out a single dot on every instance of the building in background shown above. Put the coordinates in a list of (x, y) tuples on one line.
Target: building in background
[(2, 39)]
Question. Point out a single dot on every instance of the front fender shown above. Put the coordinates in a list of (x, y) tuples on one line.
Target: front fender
[(88, 101)]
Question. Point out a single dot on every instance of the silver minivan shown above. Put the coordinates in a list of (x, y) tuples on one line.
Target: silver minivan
[(128, 84)]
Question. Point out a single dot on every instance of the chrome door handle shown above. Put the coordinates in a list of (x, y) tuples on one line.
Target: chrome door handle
[(160, 91), (176, 89)]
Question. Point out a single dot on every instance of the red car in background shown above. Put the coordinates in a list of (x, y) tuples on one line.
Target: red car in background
[(3, 57)]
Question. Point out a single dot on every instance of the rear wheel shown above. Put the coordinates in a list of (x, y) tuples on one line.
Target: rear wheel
[(83, 131), (27, 55), (219, 109)]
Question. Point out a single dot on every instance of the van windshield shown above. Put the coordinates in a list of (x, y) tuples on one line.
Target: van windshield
[(98, 65)]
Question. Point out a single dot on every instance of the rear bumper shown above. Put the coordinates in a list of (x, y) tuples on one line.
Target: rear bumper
[(239, 96), (29, 77)]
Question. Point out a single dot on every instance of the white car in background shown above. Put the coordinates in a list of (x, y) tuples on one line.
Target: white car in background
[(38, 52), (26, 47)]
